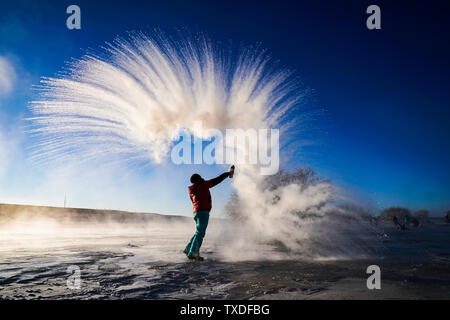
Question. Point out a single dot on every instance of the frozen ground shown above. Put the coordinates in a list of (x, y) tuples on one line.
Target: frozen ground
[(146, 262)]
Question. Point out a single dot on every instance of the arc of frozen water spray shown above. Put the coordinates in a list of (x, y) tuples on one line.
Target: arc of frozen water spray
[(132, 100)]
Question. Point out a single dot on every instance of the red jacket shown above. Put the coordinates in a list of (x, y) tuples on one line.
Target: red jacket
[(200, 195)]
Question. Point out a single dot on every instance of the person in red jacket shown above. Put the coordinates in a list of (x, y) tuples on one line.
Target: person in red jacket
[(201, 201)]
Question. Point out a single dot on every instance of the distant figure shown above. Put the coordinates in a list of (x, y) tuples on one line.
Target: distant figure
[(406, 221), (447, 217), (399, 226), (201, 200)]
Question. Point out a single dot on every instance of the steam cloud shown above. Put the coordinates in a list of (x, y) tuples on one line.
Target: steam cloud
[(7, 76)]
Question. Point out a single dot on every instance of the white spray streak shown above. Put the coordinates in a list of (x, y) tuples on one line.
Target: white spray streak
[(134, 101)]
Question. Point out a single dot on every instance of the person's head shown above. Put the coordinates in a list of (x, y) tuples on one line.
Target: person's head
[(196, 178)]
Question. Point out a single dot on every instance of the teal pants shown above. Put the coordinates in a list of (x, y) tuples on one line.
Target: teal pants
[(201, 219)]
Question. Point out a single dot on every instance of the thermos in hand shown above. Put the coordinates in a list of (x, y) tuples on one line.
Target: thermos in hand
[(231, 171)]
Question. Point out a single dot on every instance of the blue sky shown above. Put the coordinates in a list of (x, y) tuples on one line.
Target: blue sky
[(383, 95)]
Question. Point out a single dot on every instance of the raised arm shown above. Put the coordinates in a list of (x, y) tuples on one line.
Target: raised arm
[(215, 181)]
